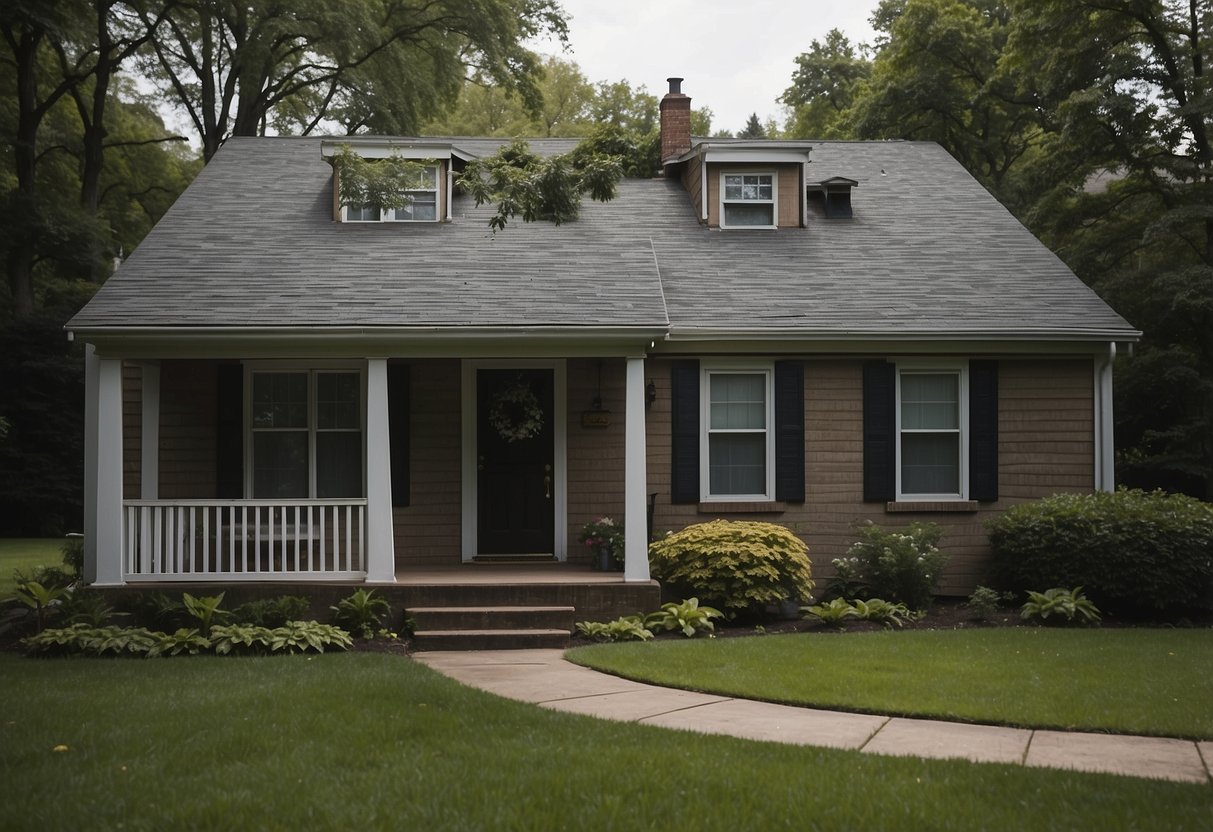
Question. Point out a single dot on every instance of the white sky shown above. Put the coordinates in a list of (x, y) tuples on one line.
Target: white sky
[(736, 55)]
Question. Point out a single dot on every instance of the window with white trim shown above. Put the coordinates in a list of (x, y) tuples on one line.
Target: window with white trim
[(747, 200), (307, 428), (932, 423), (738, 439), (423, 206)]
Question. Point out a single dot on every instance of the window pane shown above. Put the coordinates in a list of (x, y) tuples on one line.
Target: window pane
[(423, 207), (339, 464), (361, 213), (280, 464), (279, 400), (929, 401), (737, 401), (930, 463), (740, 214), (737, 463), (337, 397)]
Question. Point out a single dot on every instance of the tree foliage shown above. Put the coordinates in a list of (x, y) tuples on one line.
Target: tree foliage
[(238, 68), (1091, 121)]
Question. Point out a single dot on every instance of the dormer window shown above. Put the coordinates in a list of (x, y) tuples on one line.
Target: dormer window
[(423, 193), (747, 200), (831, 198)]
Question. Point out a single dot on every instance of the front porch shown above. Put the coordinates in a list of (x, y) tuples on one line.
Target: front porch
[(186, 461)]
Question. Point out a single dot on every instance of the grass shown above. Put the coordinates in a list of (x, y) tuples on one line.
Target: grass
[(1138, 681), (369, 741), (25, 554)]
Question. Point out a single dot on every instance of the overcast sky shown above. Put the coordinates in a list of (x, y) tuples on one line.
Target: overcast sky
[(736, 55)]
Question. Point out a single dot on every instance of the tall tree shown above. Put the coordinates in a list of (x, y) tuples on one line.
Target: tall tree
[(753, 129), (235, 68), (939, 76), (1125, 91), (823, 87)]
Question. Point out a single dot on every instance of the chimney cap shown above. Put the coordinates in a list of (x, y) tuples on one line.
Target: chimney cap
[(675, 86)]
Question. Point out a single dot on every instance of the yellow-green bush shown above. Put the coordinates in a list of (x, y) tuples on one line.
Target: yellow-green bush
[(734, 565)]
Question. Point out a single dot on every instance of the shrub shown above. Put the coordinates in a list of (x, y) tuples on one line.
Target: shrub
[(1136, 553), (687, 616), (984, 602), (734, 565), (1060, 602), (362, 613), (272, 612), (902, 565)]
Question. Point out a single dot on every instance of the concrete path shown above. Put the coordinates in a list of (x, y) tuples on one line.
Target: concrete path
[(543, 677)]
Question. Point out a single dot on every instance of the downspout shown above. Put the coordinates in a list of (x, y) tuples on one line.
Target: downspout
[(703, 185), (450, 188), (1105, 462)]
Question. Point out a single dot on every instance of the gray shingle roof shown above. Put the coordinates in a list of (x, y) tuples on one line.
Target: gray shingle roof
[(929, 252)]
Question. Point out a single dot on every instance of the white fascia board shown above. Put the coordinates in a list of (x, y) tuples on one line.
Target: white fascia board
[(1021, 334), (236, 342), (881, 345), (725, 155), (383, 149)]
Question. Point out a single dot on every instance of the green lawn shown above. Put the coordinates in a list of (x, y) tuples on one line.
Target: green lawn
[(369, 742), (24, 554), (1123, 680)]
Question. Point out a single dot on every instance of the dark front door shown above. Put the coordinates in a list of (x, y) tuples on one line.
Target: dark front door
[(515, 462)]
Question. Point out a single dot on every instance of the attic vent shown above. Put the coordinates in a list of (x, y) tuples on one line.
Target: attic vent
[(831, 198)]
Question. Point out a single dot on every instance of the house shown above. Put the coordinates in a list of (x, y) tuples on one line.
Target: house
[(805, 332)]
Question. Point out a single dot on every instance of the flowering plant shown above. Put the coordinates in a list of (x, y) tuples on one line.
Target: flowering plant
[(604, 532)]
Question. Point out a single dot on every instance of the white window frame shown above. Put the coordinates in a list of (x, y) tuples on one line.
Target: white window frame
[(312, 369), (767, 370), (937, 367), (390, 216), (773, 201)]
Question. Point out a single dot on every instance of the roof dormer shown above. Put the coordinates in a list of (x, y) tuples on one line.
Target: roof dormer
[(831, 198), (427, 178)]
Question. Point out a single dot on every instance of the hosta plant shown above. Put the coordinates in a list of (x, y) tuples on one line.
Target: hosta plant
[(735, 566), (1060, 603), (185, 640), (84, 639), (687, 616), (301, 636), (884, 612), (832, 612), (240, 638), (627, 628)]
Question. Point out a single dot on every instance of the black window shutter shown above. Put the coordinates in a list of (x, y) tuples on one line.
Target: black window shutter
[(983, 430), (789, 431), (879, 427), (398, 412), (229, 432), (684, 431)]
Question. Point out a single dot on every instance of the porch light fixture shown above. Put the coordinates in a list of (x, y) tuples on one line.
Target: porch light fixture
[(650, 395)]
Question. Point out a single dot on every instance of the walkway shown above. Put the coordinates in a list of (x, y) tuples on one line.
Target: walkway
[(543, 677)]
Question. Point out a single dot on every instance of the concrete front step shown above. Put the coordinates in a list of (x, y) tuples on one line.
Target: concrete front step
[(496, 639), (493, 618)]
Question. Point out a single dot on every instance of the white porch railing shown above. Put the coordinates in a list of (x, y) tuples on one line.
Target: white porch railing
[(244, 540)]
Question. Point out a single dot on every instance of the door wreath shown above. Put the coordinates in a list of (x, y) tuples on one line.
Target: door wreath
[(515, 412)]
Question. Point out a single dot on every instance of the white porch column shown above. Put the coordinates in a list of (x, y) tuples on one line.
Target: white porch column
[(103, 470), (635, 507), (381, 549)]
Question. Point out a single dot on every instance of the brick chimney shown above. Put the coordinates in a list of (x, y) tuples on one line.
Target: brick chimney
[(675, 121)]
